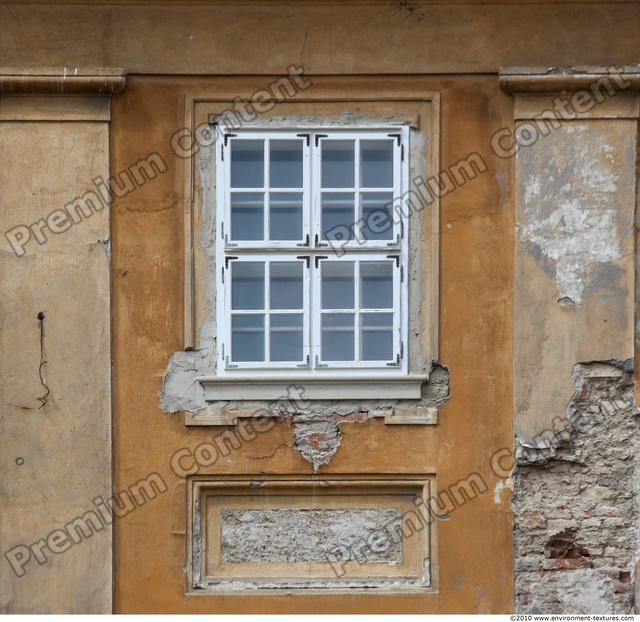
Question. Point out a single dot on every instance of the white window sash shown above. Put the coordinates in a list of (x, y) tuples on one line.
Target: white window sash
[(229, 251), (398, 360)]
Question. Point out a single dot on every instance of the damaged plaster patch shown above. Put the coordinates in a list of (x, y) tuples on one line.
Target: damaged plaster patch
[(571, 207), (317, 441), (575, 503), (314, 424), (181, 390), (506, 484), (582, 591), (305, 535), (573, 237)]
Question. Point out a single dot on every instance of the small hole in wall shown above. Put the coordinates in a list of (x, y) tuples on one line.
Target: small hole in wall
[(566, 302)]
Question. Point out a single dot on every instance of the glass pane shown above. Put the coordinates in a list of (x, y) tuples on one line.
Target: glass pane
[(378, 216), (376, 278), (338, 215), (338, 164), (247, 285), (247, 219), (285, 164), (376, 164), (247, 338), (286, 337), (376, 336), (338, 337), (286, 285), (247, 163), (338, 285), (286, 216)]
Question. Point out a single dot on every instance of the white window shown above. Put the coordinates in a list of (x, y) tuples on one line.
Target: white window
[(312, 277), (312, 260)]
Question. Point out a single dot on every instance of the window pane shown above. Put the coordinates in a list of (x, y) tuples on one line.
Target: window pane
[(286, 337), (247, 216), (338, 337), (338, 215), (286, 285), (376, 278), (376, 164), (285, 164), (376, 336), (247, 285), (247, 163), (286, 216), (378, 216), (338, 285), (247, 338), (338, 164)]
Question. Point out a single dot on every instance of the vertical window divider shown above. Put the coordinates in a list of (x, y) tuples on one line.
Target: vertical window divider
[(357, 197), (315, 319), (267, 190), (306, 312), (357, 304), (267, 311)]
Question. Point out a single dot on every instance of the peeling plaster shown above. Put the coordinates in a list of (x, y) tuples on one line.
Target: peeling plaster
[(315, 425), (501, 485), (571, 209), (546, 445)]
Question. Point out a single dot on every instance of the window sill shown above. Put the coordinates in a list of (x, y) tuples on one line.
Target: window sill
[(315, 388)]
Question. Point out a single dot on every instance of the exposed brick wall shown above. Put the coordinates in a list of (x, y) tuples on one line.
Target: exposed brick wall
[(575, 501)]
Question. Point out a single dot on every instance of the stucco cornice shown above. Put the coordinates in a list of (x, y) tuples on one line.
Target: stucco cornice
[(61, 81), (567, 79)]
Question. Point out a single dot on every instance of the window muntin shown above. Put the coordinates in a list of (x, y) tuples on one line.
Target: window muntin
[(286, 299)]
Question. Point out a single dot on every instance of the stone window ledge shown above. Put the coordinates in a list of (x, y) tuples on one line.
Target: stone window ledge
[(315, 388)]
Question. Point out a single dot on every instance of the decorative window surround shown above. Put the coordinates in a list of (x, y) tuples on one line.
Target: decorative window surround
[(224, 397)]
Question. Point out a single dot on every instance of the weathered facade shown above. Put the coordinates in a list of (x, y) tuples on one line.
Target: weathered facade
[(489, 467)]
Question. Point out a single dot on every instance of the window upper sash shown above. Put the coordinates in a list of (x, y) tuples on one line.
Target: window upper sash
[(339, 189)]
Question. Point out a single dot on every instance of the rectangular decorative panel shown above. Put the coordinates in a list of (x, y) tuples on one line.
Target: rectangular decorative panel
[(306, 534)]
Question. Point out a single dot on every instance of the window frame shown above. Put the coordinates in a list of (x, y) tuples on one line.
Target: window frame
[(313, 247)]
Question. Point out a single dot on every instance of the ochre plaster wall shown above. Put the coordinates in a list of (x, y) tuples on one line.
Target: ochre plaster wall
[(55, 416), (326, 36), (454, 49), (474, 544)]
